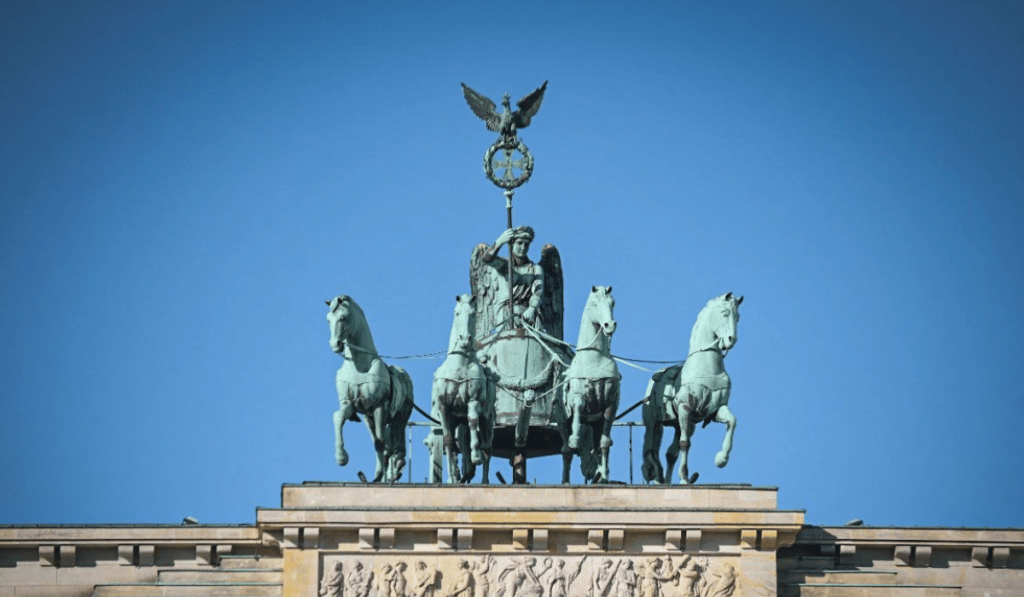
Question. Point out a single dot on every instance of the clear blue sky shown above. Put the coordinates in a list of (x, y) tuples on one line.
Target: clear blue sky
[(184, 183)]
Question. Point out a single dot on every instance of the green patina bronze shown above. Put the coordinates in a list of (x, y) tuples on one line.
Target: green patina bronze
[(368, 386), (510, 386), (462, 401), (591, 396), (695, 392), (507, 124), (519, 341)]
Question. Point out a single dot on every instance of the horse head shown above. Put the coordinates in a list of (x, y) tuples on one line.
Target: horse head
[(598, 311), (461, 340), (342, 318), (716, 324)]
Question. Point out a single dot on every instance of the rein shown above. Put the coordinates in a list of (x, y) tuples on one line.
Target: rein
[(713, 346), (622, 360), (428, 355)]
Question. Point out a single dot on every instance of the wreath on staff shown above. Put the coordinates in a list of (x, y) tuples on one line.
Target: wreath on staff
[(508, 145)]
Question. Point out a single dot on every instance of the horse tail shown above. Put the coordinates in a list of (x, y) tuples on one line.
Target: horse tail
[(589, 457), (400, 405), (399, 410)]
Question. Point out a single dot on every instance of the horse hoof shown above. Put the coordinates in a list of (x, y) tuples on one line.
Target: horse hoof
[(574, 443), (478, 457), (342, 458), (721, 459)]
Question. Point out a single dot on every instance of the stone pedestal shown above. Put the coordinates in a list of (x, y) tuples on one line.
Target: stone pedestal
[(528, 541)]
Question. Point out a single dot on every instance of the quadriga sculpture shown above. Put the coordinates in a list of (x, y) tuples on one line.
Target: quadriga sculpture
[(463, 395), (696, 391), (591, 396), (367, 386)]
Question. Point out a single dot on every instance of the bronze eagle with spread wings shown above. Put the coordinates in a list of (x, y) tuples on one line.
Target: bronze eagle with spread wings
[(508, 122)]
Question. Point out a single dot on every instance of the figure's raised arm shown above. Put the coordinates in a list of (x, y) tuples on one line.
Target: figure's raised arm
[(503, 239)]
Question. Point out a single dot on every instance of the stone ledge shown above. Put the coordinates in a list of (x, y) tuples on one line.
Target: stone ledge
[(902, 536), (506, 519), (544, 497), (112, 536)]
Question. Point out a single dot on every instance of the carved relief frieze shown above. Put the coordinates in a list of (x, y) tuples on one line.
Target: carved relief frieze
[(524, 576)]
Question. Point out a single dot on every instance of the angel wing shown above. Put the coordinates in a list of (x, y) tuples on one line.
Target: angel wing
[(551, 305), (485, 288), (484, 108), (528, 107)]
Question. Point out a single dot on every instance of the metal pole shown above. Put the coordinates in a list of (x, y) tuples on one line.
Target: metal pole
[(630, 454), (518, 457), (508, 211)]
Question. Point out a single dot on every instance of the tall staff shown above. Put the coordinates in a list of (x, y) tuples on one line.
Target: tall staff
[(508, 170), (508, 211)]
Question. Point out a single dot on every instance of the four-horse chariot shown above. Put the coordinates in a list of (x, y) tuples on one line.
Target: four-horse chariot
[(510, 385)]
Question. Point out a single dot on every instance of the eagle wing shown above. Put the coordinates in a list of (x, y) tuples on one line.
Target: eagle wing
[(528, 106), (483, 107)]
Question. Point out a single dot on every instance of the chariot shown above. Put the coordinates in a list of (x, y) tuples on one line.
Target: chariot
[(511, 386)]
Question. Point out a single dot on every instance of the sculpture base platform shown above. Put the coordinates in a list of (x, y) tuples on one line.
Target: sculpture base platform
[(528, 541)]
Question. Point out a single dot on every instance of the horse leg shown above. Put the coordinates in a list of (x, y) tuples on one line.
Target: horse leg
[(724, 415), (375, 423), (566, 465), (558, 409), (462, 439), (653, 431), (447, 433), (488, 449), (341, 415), (473, 419), (605, 425), (435, 451), (671, 455), (486, 431), (685, 431), (575, 401)]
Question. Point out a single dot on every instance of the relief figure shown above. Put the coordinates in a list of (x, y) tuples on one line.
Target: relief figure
[(424, 578), (626, 581), (358, 581), (463, 582), (653, 574), (557, 584), (519, 579), (398, 582), (481, 579), (331, 583), (601, 581)]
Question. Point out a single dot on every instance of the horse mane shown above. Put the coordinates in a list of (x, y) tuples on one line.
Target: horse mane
[(364, 326), (702, 319)]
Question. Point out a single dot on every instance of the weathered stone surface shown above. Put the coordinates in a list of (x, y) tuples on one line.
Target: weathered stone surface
[(584, 541), (720, 498), (900, 561)]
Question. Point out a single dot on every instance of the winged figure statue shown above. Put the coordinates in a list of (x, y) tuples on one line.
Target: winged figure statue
[(508, 122), (537, 291)]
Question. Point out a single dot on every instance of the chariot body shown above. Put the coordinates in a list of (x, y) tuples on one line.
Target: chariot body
[(518, 340)]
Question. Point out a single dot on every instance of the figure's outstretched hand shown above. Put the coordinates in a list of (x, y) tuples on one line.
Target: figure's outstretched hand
[(505, 237), (530, 315)]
